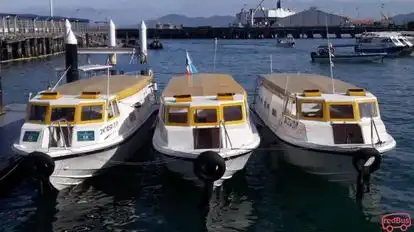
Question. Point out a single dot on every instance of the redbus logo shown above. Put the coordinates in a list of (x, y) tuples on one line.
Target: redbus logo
[(393, 221)]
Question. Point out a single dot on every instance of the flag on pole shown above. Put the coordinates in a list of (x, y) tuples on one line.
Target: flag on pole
[(190, 68)]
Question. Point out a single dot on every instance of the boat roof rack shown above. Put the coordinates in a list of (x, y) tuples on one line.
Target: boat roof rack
[(49, 95), (183, 98), (311, 93), (90, 95), (356, 92)]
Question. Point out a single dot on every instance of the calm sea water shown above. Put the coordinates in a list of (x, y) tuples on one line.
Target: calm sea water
[(266, 196)]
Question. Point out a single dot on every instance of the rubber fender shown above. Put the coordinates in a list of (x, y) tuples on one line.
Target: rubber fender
[(209, 166), (43, 164), (362, 155)]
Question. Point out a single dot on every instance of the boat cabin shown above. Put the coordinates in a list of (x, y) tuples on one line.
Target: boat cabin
[(307, 103), (196, 108), (79, 113)]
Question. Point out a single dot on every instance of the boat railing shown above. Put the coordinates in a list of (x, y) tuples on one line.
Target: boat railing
[(226, 135), (374, 127), (59, 124)]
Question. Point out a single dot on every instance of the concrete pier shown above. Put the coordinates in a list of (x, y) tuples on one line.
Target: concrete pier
[(28, 36)]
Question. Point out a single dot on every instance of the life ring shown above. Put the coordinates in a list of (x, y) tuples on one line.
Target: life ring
[(362, 155), (209, 166)]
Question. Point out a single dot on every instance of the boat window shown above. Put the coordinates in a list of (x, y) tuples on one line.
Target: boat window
[(401, 40), (37, 113), (274, 112), (368, 109), (91, 112), (395, 41), (63, 113), (178, 115), (113, 110), (344, 111), (232, 113), (205, 115), (312, 110)]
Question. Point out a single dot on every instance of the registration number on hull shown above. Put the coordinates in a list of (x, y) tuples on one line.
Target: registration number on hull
[(109, 127)]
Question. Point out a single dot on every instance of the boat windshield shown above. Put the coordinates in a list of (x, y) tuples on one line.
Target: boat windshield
[(37, 113), (368, 109), (66, 113), (341, 111)]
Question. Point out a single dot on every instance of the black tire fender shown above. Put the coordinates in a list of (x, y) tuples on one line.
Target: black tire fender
[(209, 166), (42, 163), (362, 155)]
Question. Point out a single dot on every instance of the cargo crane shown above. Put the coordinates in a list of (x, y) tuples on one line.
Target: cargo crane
[(252, 12)]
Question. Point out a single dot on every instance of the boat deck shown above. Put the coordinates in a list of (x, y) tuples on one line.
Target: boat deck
[(203, 84), (121, 85), (297, 83)]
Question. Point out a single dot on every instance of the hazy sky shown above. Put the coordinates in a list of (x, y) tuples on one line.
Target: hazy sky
[(145, 9)]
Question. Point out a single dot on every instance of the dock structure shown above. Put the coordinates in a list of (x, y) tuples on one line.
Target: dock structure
[(28, 36)]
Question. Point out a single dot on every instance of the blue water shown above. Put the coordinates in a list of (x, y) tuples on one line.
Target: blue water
[(266, 196)]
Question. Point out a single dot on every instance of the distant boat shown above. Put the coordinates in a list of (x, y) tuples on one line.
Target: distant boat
[(392, 43), (322, 55), (286, 42)]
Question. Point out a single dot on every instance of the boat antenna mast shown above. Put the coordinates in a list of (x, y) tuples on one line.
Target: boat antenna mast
[(215, 54), (331, 64), (271, 63)]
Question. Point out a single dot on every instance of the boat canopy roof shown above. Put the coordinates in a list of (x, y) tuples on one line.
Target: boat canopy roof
[(298, 83), (121, 86), (202, 84)]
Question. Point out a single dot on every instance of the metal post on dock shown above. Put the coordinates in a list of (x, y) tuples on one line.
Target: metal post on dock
[(143, 46), (71, 54), (1, 97)]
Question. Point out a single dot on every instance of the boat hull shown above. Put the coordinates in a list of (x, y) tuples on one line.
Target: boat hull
[(332, 165), (73, 169), (286, 45), (391, 51), (348, 58), (184, 167)]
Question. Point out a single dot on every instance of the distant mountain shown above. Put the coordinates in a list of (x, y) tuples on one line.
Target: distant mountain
[(176, 19), (403, 18)]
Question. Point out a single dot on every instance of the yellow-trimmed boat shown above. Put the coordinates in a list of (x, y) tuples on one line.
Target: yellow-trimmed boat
[(326, 126), (88, 125), (204, 130)]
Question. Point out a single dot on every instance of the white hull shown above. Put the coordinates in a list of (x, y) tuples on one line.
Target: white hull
[(73, 171), (182, 162), (185, 168), (333, 165), (286, 45)]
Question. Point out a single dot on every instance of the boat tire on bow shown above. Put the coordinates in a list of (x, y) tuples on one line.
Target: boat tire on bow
[(361, 156), (209, 166)]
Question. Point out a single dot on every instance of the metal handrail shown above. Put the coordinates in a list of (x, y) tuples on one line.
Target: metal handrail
[(59, 125)]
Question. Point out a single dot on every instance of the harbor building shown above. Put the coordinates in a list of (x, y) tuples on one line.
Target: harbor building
[(313, 17)]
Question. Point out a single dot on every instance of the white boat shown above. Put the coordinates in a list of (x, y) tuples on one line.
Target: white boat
[(88, 125), (322, 55), (79, 129), (392, 43), (286, 42), (326, 126), (204, 122)]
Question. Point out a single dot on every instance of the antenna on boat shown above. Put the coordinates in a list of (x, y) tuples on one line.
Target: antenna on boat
[(271, 63), (331, 64), (215, 53), (107, 84)]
